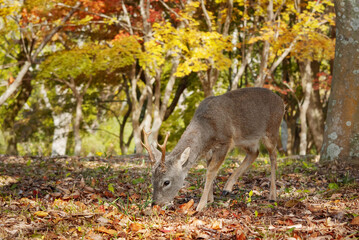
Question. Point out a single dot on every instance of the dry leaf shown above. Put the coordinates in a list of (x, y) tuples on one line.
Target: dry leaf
[(216, 225), (167, 229), (225, 213), (355, 221), (158, 210), (314, 208), (197, 222), (41, 214), (58, 219), (105, 230), (240, 235), (135, 227), (187, 206), (291, 203)]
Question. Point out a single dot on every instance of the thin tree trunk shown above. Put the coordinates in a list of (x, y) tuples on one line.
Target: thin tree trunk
[(77, 123), (315, 115), (265, 51), (307, 84), (62, 123), (9, 121)]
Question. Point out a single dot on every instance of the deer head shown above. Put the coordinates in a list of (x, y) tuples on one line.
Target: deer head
[(167, 171)]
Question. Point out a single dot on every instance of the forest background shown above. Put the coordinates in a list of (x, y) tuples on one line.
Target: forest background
[(85, 77)]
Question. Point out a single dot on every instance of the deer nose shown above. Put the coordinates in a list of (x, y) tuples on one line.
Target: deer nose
[(153, 204)]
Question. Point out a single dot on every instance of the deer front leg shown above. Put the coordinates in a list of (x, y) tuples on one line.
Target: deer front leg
[(245, 165), (212, 170), (210, 175)]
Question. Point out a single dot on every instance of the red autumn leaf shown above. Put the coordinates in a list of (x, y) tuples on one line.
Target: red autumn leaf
[(102, 229)]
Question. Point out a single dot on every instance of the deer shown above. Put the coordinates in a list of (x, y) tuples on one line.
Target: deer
[(239, 118)]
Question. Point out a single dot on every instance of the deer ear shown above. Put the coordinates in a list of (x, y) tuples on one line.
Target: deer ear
[(184, 156)]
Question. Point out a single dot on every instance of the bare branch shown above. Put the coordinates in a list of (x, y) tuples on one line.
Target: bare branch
[(206, 16), (228, 18), (54, 31), (9, 65)]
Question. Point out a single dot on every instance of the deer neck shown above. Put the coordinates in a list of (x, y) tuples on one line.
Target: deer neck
[(194, 140)]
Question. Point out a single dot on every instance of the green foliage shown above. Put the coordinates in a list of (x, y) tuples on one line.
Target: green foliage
[(90, 60), (333, 186)]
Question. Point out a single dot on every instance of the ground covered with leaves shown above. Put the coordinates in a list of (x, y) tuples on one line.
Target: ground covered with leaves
[(110, 198)]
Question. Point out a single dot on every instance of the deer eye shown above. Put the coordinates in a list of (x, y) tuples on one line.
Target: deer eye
[(166, 183)]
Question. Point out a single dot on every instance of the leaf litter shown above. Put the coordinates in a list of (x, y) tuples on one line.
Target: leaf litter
[(110, 198)]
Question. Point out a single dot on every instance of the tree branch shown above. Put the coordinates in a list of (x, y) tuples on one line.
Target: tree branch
[(27, 64), (206, 16)]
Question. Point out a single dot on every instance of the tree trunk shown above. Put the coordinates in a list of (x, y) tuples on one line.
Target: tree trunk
[(62, 122), (307, 84), (315, 115), (62, 125), (265, 51), (341, 137), (9, 121), (77, 123)]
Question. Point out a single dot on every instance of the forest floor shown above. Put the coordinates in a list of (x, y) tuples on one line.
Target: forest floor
[(110, 198)]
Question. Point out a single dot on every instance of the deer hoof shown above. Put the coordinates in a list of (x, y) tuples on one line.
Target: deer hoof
[(225, 193)]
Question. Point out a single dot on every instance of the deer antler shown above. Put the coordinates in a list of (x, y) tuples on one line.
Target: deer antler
[(147, 146), (163, 149)]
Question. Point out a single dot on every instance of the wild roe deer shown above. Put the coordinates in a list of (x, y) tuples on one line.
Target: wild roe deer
[(239, 118)]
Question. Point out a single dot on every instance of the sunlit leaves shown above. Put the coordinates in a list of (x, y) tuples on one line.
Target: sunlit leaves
[(308, 27), (91, 59), (8, 7), (196, 49)]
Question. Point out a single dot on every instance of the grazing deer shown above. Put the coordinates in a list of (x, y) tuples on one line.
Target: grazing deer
[(239, 118)]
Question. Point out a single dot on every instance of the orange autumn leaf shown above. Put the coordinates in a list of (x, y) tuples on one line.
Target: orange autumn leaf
[(135, 227), (102, 229), (355, 221), (216, 225), (187, 206)]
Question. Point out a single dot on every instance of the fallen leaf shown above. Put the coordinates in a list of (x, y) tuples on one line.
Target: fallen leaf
[(41, 214), (187, 206), (166, 229), (240, 235), (314, 208), (58, 219), (197, 222), (225, 213), (135, 227), (74, 195), (158, 210), (108, 194), (291, 203), (216, 225), (88, 189), (355, 221), (105, 230), (336, 195)]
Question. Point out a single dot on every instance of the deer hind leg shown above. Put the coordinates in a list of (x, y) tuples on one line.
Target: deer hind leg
[(245, 165), (212, 170), (270, 143)]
